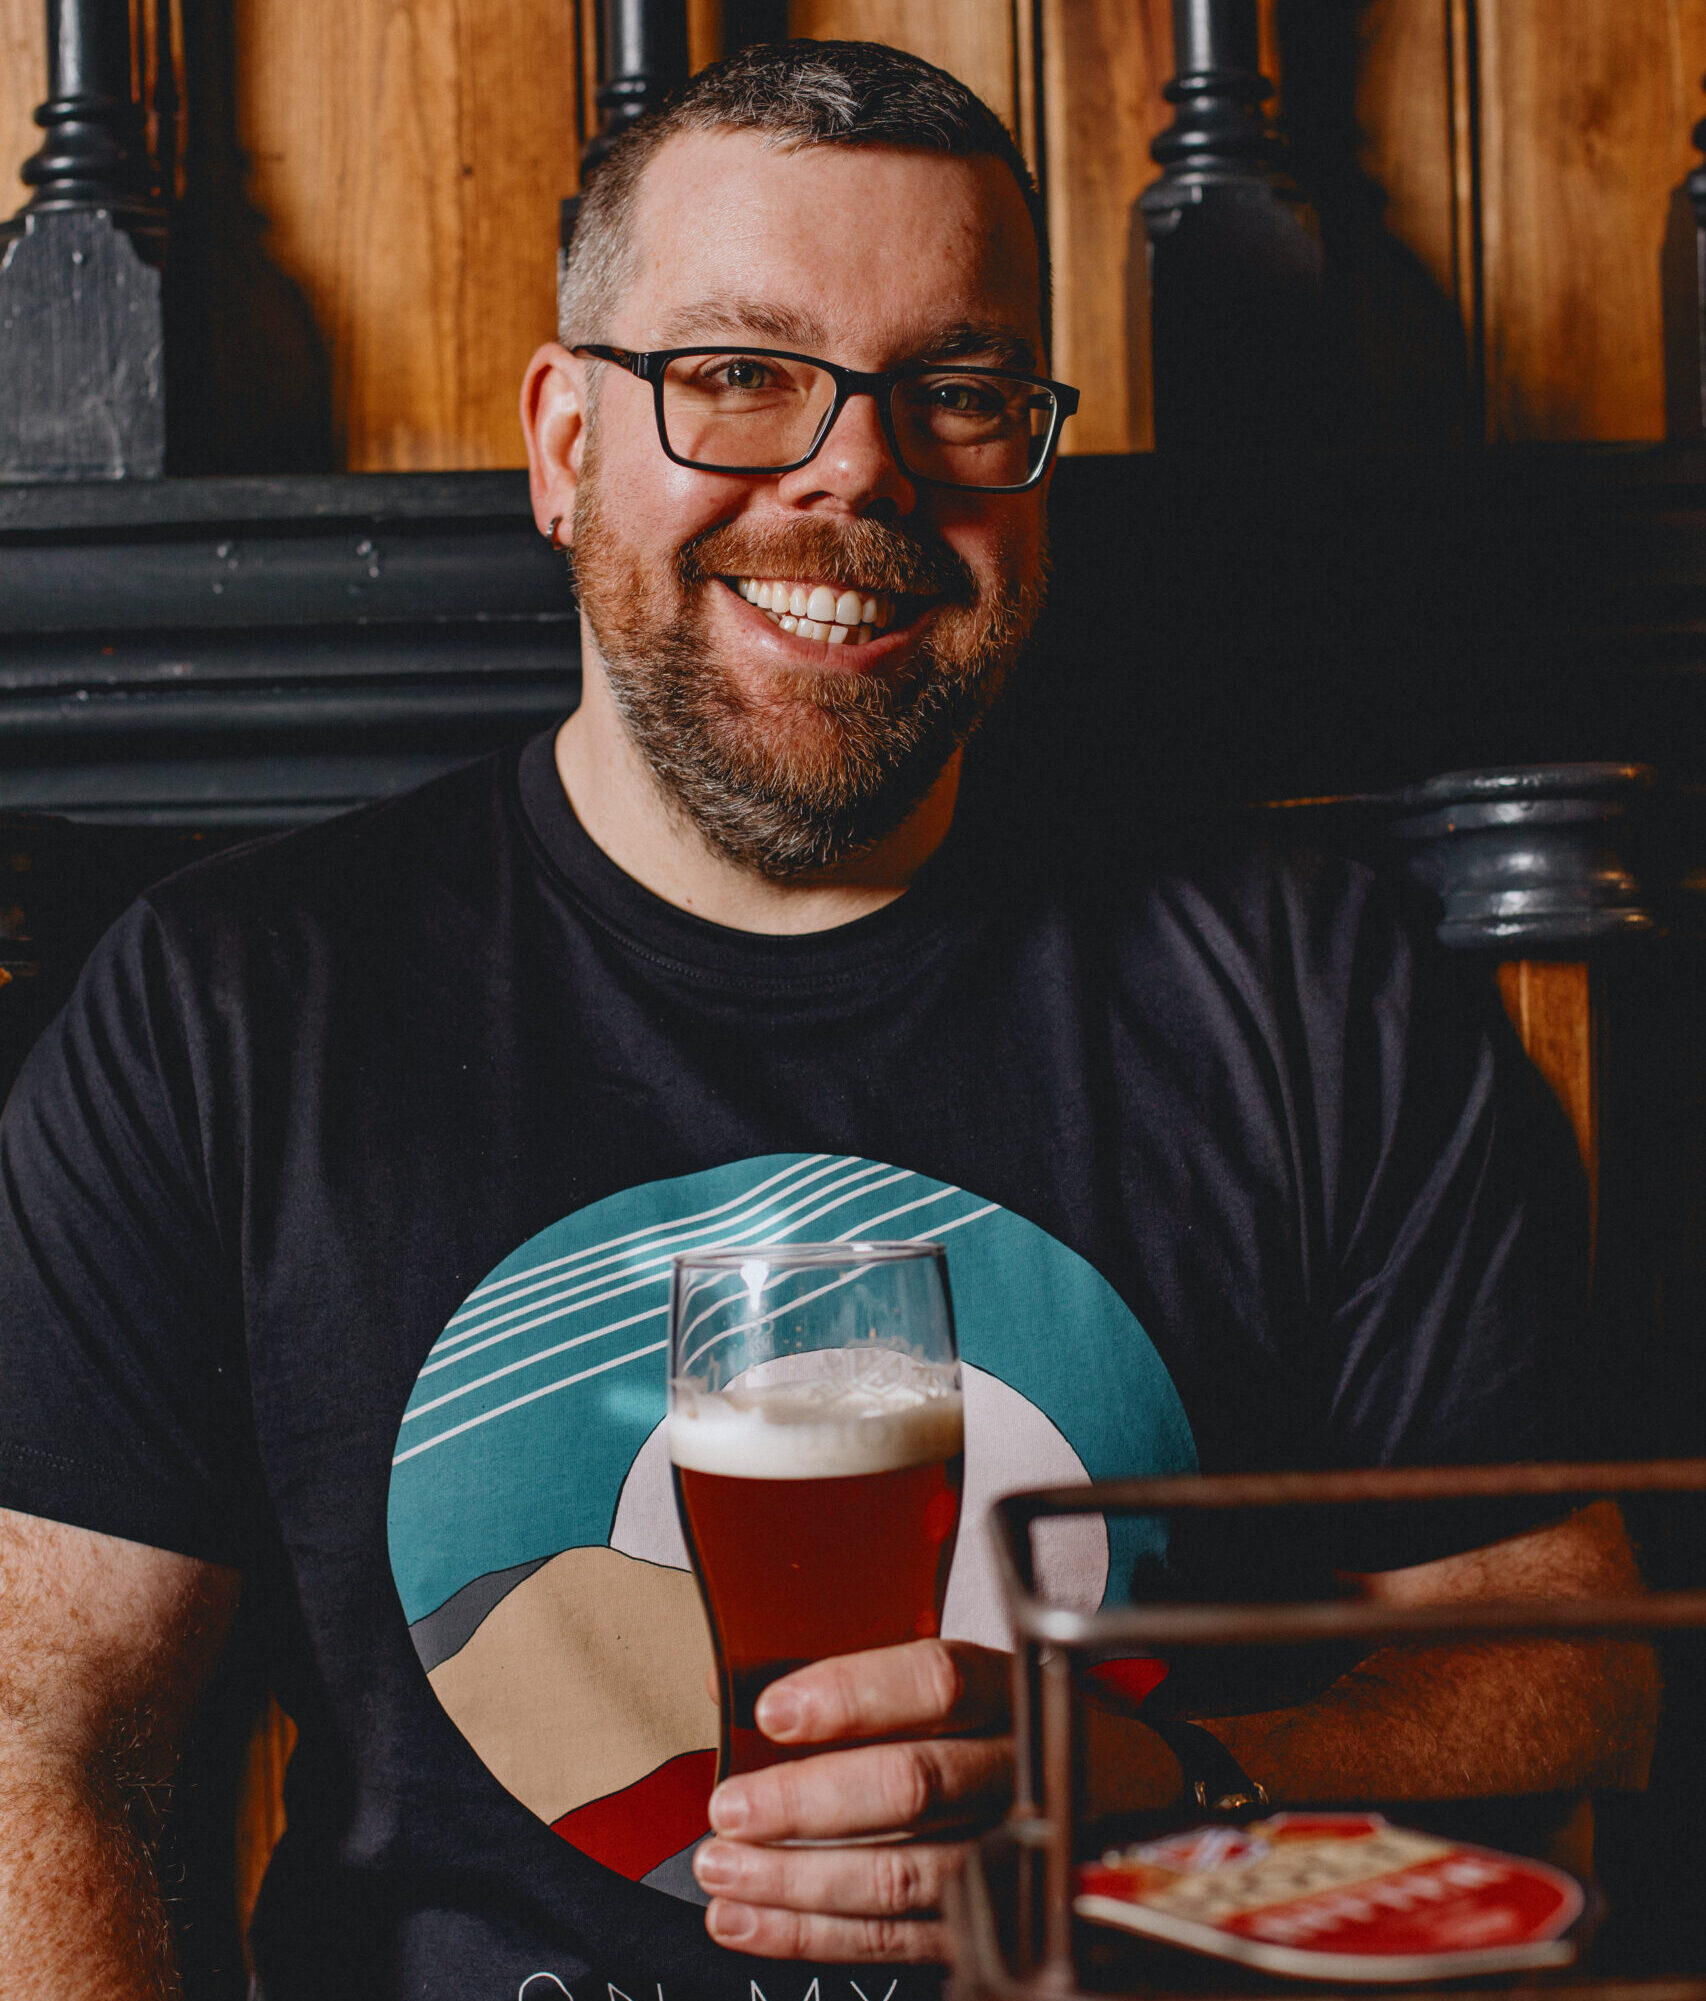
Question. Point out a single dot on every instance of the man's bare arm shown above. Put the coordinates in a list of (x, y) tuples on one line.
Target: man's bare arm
[(105, 1646), (1485, 1718)]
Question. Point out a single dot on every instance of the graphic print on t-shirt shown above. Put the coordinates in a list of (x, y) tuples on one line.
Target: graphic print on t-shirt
[(533, 1534)]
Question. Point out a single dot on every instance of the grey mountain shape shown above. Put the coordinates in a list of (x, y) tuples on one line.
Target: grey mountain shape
[(447, 1631), (675, 1876)]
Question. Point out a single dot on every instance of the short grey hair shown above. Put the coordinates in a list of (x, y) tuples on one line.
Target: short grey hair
[(796, 94)]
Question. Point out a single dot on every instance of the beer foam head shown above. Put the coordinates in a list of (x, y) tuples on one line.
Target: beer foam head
[(820, 1416)]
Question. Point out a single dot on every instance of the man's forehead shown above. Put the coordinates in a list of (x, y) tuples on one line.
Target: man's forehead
[(776, 323), (741, 240)]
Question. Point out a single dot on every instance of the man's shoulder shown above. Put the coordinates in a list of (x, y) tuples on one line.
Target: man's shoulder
[(1232, 881), (441, 839)]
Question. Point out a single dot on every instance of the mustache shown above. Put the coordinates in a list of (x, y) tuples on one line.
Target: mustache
[(860, 554)]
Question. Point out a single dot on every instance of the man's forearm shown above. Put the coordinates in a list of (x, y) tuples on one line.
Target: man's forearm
[(81, 1917), (1466, 1721), (1484, 1718), (1470, 1720)]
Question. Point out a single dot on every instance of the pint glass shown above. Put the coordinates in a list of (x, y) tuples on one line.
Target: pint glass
[(817, 1436)]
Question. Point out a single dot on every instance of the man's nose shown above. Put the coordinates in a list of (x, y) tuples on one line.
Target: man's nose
[(854, 469)]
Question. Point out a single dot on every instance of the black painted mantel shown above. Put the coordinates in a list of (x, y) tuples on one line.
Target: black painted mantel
[(254, 651)]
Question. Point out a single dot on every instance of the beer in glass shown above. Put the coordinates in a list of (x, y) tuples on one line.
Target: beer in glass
[(817, 1436)]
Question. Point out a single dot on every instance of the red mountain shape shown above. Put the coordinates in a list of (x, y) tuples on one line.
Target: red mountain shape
[(632, 1831)]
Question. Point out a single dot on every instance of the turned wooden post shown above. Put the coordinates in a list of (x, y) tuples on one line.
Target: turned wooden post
[(1232, 254), (1684, 286), (1541, 867), (642, 57), (82, 391)]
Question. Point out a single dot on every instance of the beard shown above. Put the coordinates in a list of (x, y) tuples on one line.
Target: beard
[(817, 767)]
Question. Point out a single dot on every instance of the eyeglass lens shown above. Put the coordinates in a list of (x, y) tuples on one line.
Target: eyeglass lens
[(752, 412)]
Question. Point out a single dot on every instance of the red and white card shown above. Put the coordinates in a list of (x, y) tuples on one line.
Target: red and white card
[(1337, 1896)]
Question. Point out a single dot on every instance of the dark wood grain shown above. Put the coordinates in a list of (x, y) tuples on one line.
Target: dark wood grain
[(409, 158), (974, 39), (1550, 1003), (1104, 62), (23, 84), (260, 1804), (1585, 118)]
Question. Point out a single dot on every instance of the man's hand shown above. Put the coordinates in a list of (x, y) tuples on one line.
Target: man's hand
[(940, 1770), (932, 1761)]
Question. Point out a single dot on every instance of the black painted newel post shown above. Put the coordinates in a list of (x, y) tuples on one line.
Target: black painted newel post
[(1232, 252), (1685, 304), (642, 58), (81, 371)]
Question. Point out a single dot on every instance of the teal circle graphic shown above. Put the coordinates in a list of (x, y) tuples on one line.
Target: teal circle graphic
[(532, 1404)]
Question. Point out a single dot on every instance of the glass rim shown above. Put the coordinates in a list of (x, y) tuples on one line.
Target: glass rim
[(856, 1251)]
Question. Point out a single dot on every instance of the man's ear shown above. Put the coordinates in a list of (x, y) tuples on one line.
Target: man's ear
[(553, 419)]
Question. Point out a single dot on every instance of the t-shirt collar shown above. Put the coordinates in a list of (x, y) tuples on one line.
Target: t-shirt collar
[(939, 900)]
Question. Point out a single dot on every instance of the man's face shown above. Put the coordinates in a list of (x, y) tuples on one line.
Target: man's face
[(788, 752)]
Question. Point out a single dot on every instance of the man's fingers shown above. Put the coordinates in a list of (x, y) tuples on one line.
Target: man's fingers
[(943, 1782), (772, 1934), (885, 1880), (922, 1687)]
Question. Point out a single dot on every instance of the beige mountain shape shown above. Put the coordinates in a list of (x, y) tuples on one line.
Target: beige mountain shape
[(584, 1678)]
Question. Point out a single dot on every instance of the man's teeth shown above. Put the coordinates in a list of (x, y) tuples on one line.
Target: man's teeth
[(819, 611)]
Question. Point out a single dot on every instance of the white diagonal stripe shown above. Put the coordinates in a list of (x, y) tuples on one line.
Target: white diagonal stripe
[(633, 1355), (851, 1235), (610, 1327), (464, 1342), (532, 1396), (758, 1320), (558, 1310), (805, 1298), (888, 1215), (941, 1229), (651, 1229), (527, 1361)]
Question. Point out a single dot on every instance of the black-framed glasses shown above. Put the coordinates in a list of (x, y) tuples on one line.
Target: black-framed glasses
[(763, 410)]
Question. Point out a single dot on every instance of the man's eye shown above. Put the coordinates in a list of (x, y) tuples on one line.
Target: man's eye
[(965, 398), (742, 372)]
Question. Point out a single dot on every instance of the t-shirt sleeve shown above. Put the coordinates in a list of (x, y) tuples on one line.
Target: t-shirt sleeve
[(1442, 1247), (125, 1406), (1454, 1231)]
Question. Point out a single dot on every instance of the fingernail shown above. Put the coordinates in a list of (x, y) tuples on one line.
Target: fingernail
[(730, 1809), (713, 1866), (731, 1922), (780, 1712)]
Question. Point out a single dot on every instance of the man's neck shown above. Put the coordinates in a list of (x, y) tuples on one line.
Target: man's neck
[(621, 806)]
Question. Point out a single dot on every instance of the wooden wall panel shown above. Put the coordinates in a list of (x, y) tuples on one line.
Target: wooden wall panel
[(1585, 116), (23, 85), (260, 1805), (974, 39), (409, 155), (1551, 1005), (1104, 62), (1411, 117)]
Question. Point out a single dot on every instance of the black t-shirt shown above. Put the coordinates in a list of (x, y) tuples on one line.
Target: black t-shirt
[(337, 1208)]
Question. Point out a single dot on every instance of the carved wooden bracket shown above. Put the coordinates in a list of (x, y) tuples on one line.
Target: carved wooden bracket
[(82, 391), (1233, 253)]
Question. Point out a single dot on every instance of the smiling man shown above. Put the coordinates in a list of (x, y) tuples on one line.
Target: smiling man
[(338, 1206), (805, 579)]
